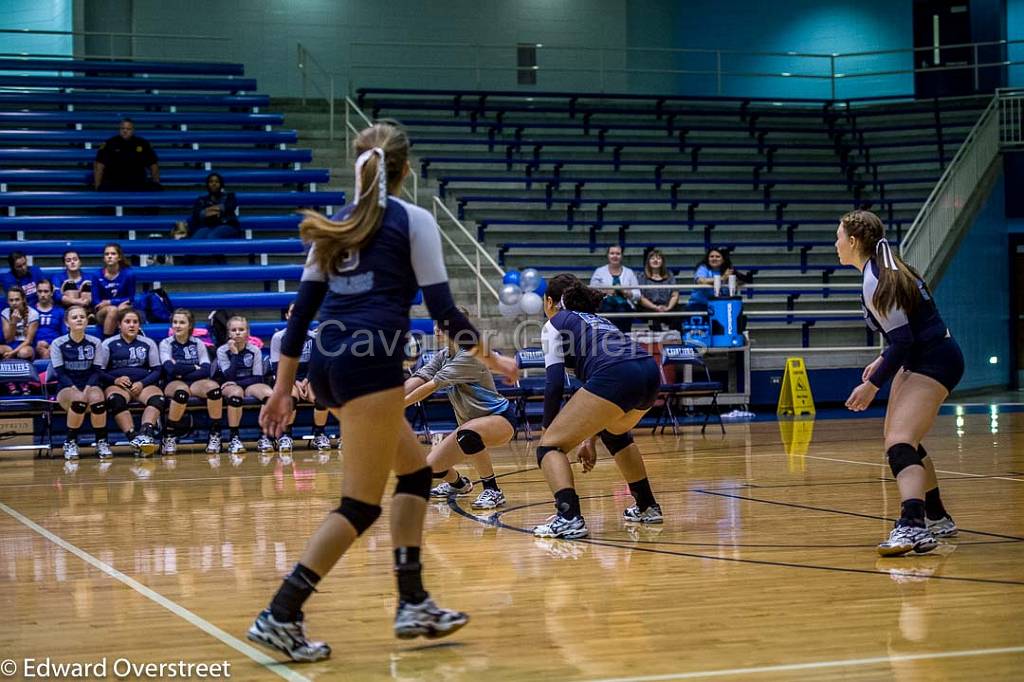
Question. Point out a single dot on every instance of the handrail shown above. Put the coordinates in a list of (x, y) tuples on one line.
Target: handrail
[(304, 58), (479, 251)]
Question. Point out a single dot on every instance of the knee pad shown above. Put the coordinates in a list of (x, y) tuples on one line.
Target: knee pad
[(901, 456), (180, 396), (359, 514), (319, 406), (417, 483), (98, 408), (616, 442), (157, 401), (295, 403), (469, 441), (235, 401), (78, 407), (543, 450), (116, 404), (214, 394), (921, 451)]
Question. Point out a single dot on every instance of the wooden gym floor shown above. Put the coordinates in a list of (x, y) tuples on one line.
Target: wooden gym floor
[(765, 568)]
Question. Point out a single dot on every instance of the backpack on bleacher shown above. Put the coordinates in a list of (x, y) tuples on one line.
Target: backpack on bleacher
[(156, 305)]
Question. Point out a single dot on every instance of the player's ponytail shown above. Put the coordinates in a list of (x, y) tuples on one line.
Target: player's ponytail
[(382, 150), (570, 293), (897, 281)]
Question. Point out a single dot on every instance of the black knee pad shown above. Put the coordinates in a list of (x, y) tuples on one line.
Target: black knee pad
[(180, 396), (98, 408), (359, 514), (157, 401), (116, 404), (901, 456), (235, 401), (543, 450), (469, 441), (295, 403), (78, 407), (921, 451), (616, 442), (214, 394), (319, 406), (417, 483)]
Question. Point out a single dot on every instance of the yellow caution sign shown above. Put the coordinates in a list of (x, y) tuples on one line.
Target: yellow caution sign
[(795, 397), (796, 434)]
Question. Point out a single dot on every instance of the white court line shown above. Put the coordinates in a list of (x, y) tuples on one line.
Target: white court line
[(941, 471), (815, 665), (209, 628)]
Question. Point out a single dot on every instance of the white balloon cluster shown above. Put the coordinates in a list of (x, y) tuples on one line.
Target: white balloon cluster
[(521, 293)]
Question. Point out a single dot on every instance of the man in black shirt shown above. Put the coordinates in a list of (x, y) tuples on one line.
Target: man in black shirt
[(122, 161)]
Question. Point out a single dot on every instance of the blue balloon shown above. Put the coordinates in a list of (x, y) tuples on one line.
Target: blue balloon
[(542, 286), (511, 277)]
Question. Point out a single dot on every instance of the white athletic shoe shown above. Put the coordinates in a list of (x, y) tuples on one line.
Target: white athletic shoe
[(427, 619), (557, 527), (446, 489), (70, 449), (213, 444), (285, 444), (264, 444), (236, 446), (103, 450), (489, 499), (651, 515), (169, 445), (322, 441), (289, 638), (942, 528), (904, 539)]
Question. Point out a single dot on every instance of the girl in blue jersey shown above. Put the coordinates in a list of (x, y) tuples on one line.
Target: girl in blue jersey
[(130, 369), (302, 391), (73, 359), (186, 364), (486, 420), (924, 363), (20, 325), (362, 273), (620, 384), (242, 375), (113, 288), (51, 318)]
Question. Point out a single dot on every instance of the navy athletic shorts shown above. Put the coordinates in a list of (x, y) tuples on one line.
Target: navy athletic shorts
[(351, 364), (941, 360), (509, 413), (632, 385)]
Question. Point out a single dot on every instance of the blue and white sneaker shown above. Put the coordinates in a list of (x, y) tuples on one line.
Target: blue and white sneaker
[(651, 515), (427, 619), (942, 528), (567, 529), (903, 539), (289, 638)]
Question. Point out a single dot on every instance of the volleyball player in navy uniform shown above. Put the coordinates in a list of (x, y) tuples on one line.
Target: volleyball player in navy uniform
[(187, 373), (924, 363), (242, 374), (362, 273), (620, 384), (130, 369), (73, 365), (302, 391)]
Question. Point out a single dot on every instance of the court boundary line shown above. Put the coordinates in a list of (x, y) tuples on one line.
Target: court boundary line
[(257, 656), (815, 665)]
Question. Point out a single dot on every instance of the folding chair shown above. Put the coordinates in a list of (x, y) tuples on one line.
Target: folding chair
[(32, 406), (686, 357)]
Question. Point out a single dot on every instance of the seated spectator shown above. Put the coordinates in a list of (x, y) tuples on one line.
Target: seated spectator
[(716, 262), (657, 300), (215, 215), (122, 161), (22, 275), (76, 286), (51, 319), (113, 288), (619, 283), (20, 324)]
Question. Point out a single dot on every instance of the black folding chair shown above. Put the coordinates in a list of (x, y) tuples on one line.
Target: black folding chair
[(681, 357)]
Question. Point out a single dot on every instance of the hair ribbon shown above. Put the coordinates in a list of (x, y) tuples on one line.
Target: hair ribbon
[(382, 179)]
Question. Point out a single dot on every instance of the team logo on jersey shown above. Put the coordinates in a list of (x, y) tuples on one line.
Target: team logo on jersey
[(347, 261), (247, 360)]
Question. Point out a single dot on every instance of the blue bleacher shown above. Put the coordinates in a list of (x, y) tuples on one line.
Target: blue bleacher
[(60, 224), (112, 118), (150, 199), (42, 155), (134, 247), (121, 66), (133, 100), (155, 137), (201, 273), (233, 85), (247, 176)]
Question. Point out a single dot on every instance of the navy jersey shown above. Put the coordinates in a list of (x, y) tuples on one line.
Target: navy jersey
[(51, 324), (74, 362), (139, 360), (307, 352), (117, 290), (189, 361), (244, 368), (586, 343), (903, 333)]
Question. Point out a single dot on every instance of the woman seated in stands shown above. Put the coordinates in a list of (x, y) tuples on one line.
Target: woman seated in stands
[(242, 375), (113, 288), (186, 364), (657, 300), (21, 323), (215, 214), (129, 366), (73, 358), (51, 319), (619, 284), (716, 262), (301, 391), (75, 287), (22, 275)]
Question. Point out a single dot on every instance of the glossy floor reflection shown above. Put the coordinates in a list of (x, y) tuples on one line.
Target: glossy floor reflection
[(764, 569)]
